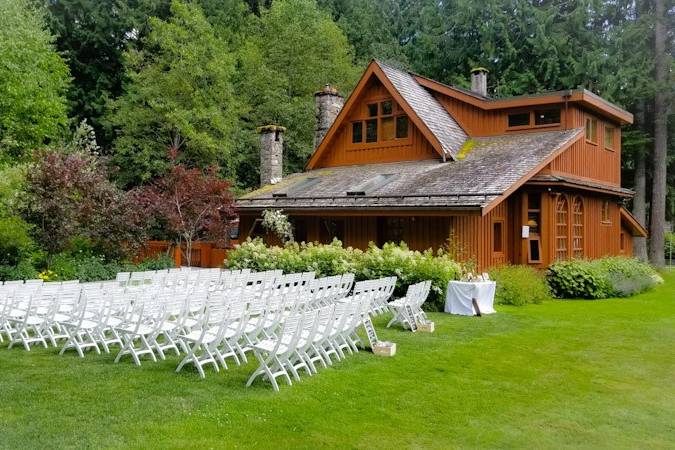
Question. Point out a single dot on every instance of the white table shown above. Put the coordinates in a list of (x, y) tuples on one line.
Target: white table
[(460, 295)]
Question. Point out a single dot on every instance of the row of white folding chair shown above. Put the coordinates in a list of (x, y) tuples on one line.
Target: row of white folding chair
[(55, 311), (210, 276), (252, 312), (120, 315), (30, 316), (37, 281), (415, 297), (327, 290), (217, 337), (380, 289), (309, 337)]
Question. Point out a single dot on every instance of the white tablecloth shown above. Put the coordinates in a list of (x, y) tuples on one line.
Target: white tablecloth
[(459, 295)]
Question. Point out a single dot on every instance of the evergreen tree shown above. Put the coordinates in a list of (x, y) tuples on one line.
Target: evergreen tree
[(93, 35)]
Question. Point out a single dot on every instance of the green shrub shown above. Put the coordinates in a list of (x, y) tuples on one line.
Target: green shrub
[(626, 276), (576, 279), (24, 270), (85, 267), (519, 285), (16, 243), (600, 278), (159, 262), (332, 259)]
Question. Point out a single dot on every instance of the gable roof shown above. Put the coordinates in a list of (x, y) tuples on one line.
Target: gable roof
[(467, 183), (579, 183), (583, 96), (435, 123), (631, 222), (448, 132)]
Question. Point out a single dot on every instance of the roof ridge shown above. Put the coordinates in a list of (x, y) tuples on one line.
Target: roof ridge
[(435, 117)]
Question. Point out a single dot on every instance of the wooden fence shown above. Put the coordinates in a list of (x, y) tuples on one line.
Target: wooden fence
[(204, 254)]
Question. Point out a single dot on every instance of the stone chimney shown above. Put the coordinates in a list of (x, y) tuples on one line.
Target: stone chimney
[(479, 80), (271, 153), (327, 106)]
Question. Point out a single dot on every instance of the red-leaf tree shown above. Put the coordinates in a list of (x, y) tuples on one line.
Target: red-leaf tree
[(69, 195), (193, 204)]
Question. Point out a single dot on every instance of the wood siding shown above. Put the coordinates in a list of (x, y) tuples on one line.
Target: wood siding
[(341, 151), (599, 238), (469, 237), (587, 160), (592, 161)]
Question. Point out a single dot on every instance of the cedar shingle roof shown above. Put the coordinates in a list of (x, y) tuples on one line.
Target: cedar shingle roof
[(485, 169), (441, 124)]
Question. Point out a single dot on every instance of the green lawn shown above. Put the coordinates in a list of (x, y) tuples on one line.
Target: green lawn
[(561, 374)]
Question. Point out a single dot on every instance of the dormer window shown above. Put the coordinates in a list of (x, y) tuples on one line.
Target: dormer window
[(547, 117), (591, 130), (385, 121), (542, 118), (519, 119), (609, 137)]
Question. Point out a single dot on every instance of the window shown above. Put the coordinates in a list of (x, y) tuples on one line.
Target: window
[(577, 227), (390, 229), (299, 229), (547, 117), (330, 228), (498, 237), (561, 230), (609, 137), (534, 222), (371, 130), (519, 119), (605, 211), (386, 108), (357, 132), (385, 121), (591, 130), (534, 250), (401, 127), (623, 242), (534, 212)]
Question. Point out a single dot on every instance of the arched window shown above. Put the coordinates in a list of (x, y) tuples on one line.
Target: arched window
[(561, 228), (578, 227)]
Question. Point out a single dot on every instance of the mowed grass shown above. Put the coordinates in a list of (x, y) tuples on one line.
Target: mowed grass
[(581, 374)]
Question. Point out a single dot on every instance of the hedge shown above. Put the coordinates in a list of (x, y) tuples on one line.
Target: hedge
[(81, 267), (519, 285), (333, 259), (601, 278)]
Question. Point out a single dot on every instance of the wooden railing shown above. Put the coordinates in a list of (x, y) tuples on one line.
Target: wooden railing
[(204, 254)]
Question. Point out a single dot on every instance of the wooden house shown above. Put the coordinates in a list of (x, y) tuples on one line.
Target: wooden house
[(525, 180)]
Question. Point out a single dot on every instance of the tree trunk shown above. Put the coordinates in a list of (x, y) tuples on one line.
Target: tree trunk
[(639, 203), (658, 204), (188, 251)]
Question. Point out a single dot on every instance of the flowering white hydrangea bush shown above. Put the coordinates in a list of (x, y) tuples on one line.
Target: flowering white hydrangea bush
[(333, 259)]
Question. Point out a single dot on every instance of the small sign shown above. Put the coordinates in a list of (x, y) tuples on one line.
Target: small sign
[(486, 276), (370, 331), (411, 318), (525, 233)]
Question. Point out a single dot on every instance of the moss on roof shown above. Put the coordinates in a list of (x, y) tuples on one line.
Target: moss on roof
[(286, 183)]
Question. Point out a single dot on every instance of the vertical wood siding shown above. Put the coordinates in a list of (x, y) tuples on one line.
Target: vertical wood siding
[(341, 152), (589, 161)]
